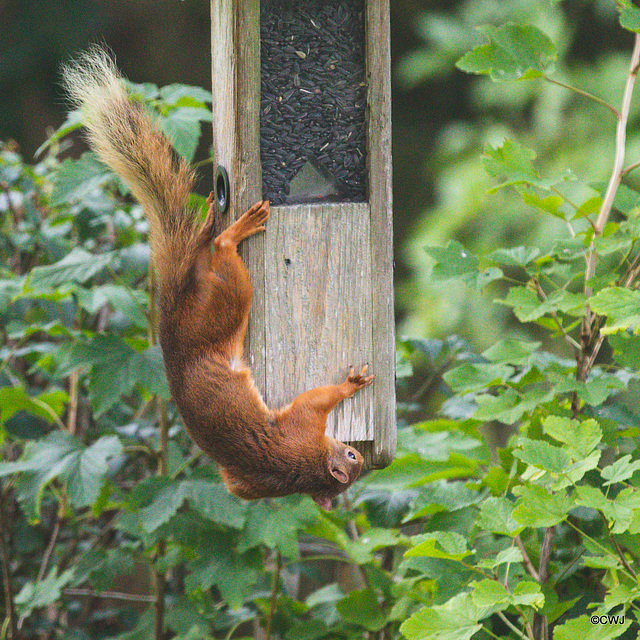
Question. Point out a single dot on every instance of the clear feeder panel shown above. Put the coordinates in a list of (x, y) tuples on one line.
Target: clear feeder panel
[(313, 100)]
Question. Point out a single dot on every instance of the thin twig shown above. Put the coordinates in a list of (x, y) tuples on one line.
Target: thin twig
[(512, 626), (545, 554), (160, 588), (630, 168), (274, 594), (584, 94), (72, 412), (51, 546), (160, 578), (6, 575), (528, 565), (114, 595), (53, 540), (617, 547), (540, 622)]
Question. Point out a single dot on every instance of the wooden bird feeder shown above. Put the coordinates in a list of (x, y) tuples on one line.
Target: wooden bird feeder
[(302, 117)]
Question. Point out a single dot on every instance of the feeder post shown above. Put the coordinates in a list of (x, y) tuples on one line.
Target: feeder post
[(308, 126)]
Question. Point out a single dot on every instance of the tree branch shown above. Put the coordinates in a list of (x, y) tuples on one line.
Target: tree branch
[(618, 163), (528, 565), (540, 622), (590, 347)]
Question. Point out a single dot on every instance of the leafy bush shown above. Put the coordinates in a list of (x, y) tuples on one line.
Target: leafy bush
[(114, 526)]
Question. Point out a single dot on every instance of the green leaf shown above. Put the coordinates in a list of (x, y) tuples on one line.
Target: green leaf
[(547, 204), (536, 507), (584, 629), (173, 94), (35, 595), (147, 370), (590, 207), (514, 52), (475, 377), (594, 392), (446, 545), (492, 594), (361, 607), (582, 437), (76, 179), (621, 306), (277, 524), (622, 469), (443, 495), (405, 471), (509, 407), (496, 516), (516, 257), (131, 302), (510, 555), (630, 18), (218, 564), (591, 497), (73, 122), (511, 351), (182, 127), (626, 349), (143, 92), (62, 455), (211, 499), (512, 163), (527, 593), (361, 550), (453, 261), (456, 619), (602, 562), (528, 307), (77, 266), (542, 455), (116, 368), (46, 405), (86, 477)]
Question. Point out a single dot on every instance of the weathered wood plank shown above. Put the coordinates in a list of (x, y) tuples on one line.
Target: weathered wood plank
[(235, 72), (318, 307), (378, 62)]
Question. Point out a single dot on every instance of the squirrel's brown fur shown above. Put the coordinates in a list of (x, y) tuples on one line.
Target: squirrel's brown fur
[(204, 302)]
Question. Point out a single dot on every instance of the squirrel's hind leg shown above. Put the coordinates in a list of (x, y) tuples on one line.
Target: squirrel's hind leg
[(226, 284)]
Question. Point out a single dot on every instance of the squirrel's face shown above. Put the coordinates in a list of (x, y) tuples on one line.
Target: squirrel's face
[(343, 466)]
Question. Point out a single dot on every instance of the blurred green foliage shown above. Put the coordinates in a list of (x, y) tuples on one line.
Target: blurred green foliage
[(564, 129), (111, 531)]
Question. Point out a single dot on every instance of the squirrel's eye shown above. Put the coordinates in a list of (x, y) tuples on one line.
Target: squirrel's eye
[(351, 455)]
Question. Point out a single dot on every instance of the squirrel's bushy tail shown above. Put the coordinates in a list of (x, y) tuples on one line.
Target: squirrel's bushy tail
[(127, 140)]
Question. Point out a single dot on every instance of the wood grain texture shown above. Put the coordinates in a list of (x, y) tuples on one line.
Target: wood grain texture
[(378, 71), (235, 82), (318, 305)]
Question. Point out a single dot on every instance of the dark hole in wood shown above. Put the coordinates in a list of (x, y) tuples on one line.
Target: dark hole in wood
[(313, 99), (221, 186)]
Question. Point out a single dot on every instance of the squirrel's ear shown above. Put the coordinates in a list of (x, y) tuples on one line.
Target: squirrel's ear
[(340, 475)]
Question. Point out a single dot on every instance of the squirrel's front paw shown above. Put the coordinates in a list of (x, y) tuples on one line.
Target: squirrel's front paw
[(359, 380)]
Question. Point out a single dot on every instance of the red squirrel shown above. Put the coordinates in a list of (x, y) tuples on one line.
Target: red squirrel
[(204, 300)]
